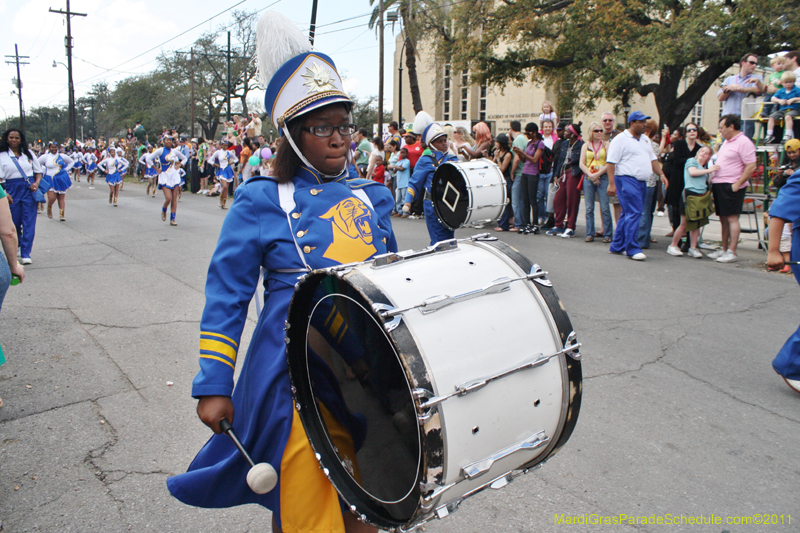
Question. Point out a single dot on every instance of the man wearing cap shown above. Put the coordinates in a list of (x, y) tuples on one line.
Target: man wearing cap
[(630, 163), (435, 138)]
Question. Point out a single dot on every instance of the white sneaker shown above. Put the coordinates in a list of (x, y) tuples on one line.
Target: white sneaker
[(660, 213), (638, 257), (717, 254), (567, 234), (694, 252), (674, 250), (793, 383), (26, 261), (728, 257)]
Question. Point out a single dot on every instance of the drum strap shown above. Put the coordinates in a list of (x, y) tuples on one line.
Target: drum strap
[(286, 198)]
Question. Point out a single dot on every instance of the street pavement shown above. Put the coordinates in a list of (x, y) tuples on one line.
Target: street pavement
[(682, 413)]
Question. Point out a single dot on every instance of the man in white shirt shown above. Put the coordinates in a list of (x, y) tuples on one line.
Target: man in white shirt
[(793, 62), (630, 162)]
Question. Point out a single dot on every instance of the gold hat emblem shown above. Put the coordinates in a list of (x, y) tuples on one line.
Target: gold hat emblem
[(318, 79)]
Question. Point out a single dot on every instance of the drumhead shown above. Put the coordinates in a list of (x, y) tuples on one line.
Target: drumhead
[(354, 399), (450, 196)]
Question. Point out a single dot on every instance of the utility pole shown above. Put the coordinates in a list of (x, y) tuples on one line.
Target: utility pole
[(191, 90), (228, 95), (93, 132), (380, 68), (313, 28), (68, 44), (18, 83)]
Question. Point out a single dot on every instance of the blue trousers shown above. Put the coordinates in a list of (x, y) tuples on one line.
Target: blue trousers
[(646, 222), (508, 212), (787, 362), (436, 231), (517, 203), (23, 213), (631, 193)]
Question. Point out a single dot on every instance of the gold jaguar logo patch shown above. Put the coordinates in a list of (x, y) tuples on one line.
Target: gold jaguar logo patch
[(352, 231)]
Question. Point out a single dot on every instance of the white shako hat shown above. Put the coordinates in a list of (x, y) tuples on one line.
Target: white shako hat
[(425, 127), (297, 79)]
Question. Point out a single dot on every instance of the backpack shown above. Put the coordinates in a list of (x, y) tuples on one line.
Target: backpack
[(546, 160)]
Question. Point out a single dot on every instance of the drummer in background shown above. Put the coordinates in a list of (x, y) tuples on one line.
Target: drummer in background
[(435, 138), (307, 215)]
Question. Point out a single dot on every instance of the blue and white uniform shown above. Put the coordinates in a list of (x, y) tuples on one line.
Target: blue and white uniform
[(23, 210), (165, 160), (77, 157), (420, 183), (150, 171), (114, 167), (787, 207), (91, 162), (57, 167), (225, 159), (328, 223)]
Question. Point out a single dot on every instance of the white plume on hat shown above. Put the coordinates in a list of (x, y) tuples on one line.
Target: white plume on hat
[(422, 121), (277, 41)]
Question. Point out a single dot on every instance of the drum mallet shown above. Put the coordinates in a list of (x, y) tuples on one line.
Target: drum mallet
[(261, 478)]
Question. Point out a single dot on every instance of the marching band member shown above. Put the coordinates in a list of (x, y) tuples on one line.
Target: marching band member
[(223, 159), (57, 167), (150, 173), (168, 160), (22, 173), (90, 160), (114, 166), (786, 210), (306, 215), (434, 136), (77, 157)]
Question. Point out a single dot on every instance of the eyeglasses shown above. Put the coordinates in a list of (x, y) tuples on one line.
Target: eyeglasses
[(608, 120), (752, 62), (690, 129), (326, 130), (597, 131)]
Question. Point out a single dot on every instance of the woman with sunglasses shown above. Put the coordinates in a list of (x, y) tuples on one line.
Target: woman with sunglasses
[(595, 182), (307, 215)]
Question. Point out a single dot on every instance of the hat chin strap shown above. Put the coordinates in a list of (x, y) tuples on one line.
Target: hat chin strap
[(303, 158)]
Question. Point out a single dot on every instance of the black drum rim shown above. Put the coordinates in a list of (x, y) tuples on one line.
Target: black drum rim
[(358, 500)]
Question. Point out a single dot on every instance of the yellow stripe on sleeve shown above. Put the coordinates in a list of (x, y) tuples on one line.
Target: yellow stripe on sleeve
[(218, 347), (209, 334), (203, 356)]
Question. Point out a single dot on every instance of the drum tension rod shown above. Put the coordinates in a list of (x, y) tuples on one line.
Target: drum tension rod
[(473, 385), (434, 303)]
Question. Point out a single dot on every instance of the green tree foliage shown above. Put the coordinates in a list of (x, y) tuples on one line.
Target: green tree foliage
[(593, 49), (365, 112)]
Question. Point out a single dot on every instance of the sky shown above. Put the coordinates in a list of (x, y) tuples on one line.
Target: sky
[(108, 40)]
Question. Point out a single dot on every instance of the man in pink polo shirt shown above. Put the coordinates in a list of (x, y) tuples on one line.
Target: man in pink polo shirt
[(737, 161)]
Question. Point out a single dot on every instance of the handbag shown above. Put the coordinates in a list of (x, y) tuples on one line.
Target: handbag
[(699, 207)]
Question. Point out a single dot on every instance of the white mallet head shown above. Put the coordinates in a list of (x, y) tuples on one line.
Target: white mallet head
[(406, 209), (262, 478)]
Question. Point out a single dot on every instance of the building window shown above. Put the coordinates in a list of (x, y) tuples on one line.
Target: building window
[(464, 93), (697, 113), (446, 115), (482, 108)]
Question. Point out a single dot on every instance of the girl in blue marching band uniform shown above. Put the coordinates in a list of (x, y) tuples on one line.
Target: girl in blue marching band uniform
[(114, 166), (77, 157), (434, 136), (90, 160), (168, 160), (150, 173), (786, 210), (223, 159), (22, 174), (57, 167), (307, 215)]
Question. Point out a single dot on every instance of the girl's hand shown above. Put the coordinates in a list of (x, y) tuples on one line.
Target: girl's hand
[(212, 409)]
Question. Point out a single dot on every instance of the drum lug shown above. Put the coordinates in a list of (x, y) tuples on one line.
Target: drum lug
[(538, 275), (386, 260), (386, 312), (479, 468), (424, 396), (571, 346)]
